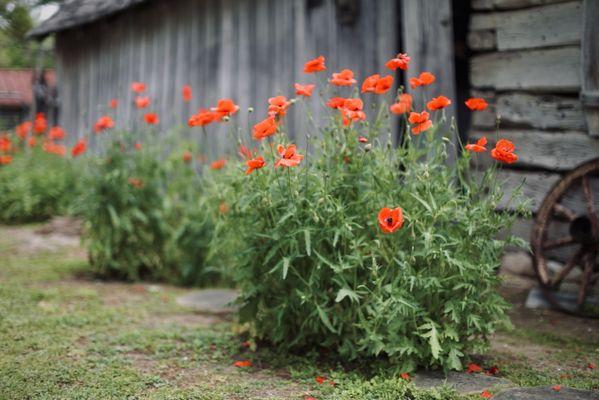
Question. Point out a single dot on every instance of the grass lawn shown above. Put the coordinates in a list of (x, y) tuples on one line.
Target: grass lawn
[(65, 335)]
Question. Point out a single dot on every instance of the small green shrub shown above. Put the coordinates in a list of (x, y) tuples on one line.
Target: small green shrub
[(36, 186)]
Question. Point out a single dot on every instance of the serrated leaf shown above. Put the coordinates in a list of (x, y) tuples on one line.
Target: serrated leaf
[(345, 292)]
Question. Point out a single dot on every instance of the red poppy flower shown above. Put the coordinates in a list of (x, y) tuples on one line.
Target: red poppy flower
[(254, 163), (315, 65), (113, 103), (135, 182), (336, 102), (142, 101), (504, 152), (243, 364), (485, 394), (265, 128), (137, 146), (304, 90), (138, 87), (5, 143), (424, 79), (479, 146), (289, 158), (362, 139), (377, 84), (277, 106), (5, 159), (320, 379), (352, 111), (218, 164), (472, 367), (23, 129), (438, 103), (40, 124), (187, 157), (557, 388), (56, 133), (309, 398), (476, 103), (343, 78), (401, 61), (405, 376), (186, 92), (403, 104), (223, 208), (224, 108), (245, 153), (202, 118), (79, 148), (151, 118), (53, 148), (390, 220), (420, 121), (103, 123), (591, 366), (492, 371), (32, 141)]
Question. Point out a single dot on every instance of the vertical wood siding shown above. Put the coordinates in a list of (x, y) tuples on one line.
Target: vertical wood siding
[(247, 50)]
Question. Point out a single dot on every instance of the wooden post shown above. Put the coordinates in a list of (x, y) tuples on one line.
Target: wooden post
[(589, 94)]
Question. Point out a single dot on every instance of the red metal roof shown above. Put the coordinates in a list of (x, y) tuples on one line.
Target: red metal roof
[(16, 86)]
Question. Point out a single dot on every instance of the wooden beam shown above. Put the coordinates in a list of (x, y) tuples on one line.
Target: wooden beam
[(508, 4), (590, 65)]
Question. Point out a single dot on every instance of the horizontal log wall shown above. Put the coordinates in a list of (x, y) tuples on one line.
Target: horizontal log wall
[(527, 64)]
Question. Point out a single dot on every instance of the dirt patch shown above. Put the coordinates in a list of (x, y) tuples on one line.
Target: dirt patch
[(27, 241)]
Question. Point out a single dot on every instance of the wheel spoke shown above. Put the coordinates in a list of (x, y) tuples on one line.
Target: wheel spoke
[(586, 279), (563, 241), (588, 194), (572, 262), (564, 212)]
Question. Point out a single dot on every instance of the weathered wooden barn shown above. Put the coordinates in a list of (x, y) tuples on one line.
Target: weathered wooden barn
[(536, 61)]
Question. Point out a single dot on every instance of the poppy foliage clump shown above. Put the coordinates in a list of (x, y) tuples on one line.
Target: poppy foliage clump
[(350, 243)]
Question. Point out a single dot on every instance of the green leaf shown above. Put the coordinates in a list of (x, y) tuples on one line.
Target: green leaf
[(285, 266), (308, 242), (325, 319), (345, 292)]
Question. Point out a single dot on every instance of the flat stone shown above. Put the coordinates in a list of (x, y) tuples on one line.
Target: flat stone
[(210, 301), (517, 263), (544, 393), (566, 299), (462, 382)]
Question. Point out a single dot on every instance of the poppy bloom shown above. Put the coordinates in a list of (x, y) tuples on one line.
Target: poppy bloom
[(438, 103), (254, 163), (309, 398), (5, 159), (390, 220), (135, 182), (186, 93), (485, 394), (137, 146), (405, 376), (403, 104), (289, 158), (557, 388), (320, 379), (138, 87), (245, 153), (277, 106), (79, 148), (336, 102), (187, 157), (224, 108), (218, 164), (420, 121), (343, 78), (591, 366), (362, 139), (5, 143), (113, 103), (243, 364), (476, 103), (142, 101), (53, 148), (504, 152), (479, 146), (202, 118), (223, 208), (23, 129), (315, 65), (492, 371), (151, 118), (32, 141), (424, 79), (352, 111), (56, 133), (103, 123), (304, 90), (40, 124), (400, 61), (377, 84), (472, 367), (264, 128)]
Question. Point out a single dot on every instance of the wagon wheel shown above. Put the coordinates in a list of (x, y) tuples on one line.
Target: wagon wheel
[(572, 205)]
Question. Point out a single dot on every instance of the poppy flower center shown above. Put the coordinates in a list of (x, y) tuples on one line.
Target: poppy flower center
[(389, 221)]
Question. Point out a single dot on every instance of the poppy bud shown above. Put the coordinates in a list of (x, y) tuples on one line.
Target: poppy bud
[(368, 147), (292, 100), (226, 118), (250, 110)]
